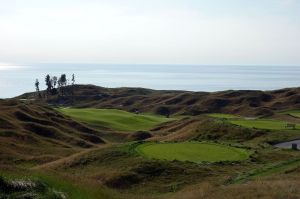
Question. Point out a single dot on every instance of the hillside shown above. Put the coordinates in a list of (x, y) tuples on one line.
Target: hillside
[(33, 133), (150, 156), (249, 103)]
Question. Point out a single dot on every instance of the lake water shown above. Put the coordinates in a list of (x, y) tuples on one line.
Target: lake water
[(176, 77)]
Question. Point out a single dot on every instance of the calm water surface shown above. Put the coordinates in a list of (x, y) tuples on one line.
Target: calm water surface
[(175, 77)]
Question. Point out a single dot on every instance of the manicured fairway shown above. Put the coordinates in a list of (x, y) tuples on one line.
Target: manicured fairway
[(295, 113), (115, 119), (192, 151), (223, 116), (261, 124), (257, 123)]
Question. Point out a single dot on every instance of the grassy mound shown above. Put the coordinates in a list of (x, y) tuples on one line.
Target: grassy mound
[(115, 119), (192, 151)]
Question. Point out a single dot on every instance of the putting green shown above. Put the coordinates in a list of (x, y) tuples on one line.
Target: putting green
[(115, 119), (192, 151)]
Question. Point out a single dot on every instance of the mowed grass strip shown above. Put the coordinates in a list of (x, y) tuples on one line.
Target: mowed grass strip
[(294, 113), (192, 151), (115, 119), (262, 124), (223, 116), (268, 124)]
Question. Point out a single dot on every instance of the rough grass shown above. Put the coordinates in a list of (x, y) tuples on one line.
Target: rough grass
[(26, 188), (49, 186), (279, 187), (269, 170), (115, 119), (192, 151)]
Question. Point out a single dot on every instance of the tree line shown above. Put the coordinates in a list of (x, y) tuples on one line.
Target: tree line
[(56, 86)]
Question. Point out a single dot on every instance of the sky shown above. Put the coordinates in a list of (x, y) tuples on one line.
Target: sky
[(204, 32)]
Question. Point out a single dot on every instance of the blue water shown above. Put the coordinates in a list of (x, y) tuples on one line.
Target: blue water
[(175, 77)]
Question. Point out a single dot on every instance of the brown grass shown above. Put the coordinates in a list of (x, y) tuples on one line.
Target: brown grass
[(279, 187), (248, 103)]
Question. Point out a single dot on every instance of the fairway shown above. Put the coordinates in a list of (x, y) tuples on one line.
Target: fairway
[(294, 113), (261, 124), (268, 124), (192, 151), (115, 119), (223, 116)]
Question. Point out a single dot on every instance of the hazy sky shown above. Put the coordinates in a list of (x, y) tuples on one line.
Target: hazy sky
[(248, 32)]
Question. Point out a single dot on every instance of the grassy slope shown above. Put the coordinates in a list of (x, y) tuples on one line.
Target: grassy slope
[(115, 119), (34, 133), (192, 151)]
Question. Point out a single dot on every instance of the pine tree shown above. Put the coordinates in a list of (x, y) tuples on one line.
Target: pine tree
[(48, 83), (37, 88)]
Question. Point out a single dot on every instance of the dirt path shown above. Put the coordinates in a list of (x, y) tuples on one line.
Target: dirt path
[(64, 160)]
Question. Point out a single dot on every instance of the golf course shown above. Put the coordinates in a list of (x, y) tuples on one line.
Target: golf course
[(171, 99), (100, 146)]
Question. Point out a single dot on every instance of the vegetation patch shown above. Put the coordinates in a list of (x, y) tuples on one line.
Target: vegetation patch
[(20, 188), (115, 119), (196, 152)]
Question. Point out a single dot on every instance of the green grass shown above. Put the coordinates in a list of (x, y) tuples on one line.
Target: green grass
[(262, 124), (115, 119), (223, 116), (192, 151), (254, 123), (294, 113), (268, 124)]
